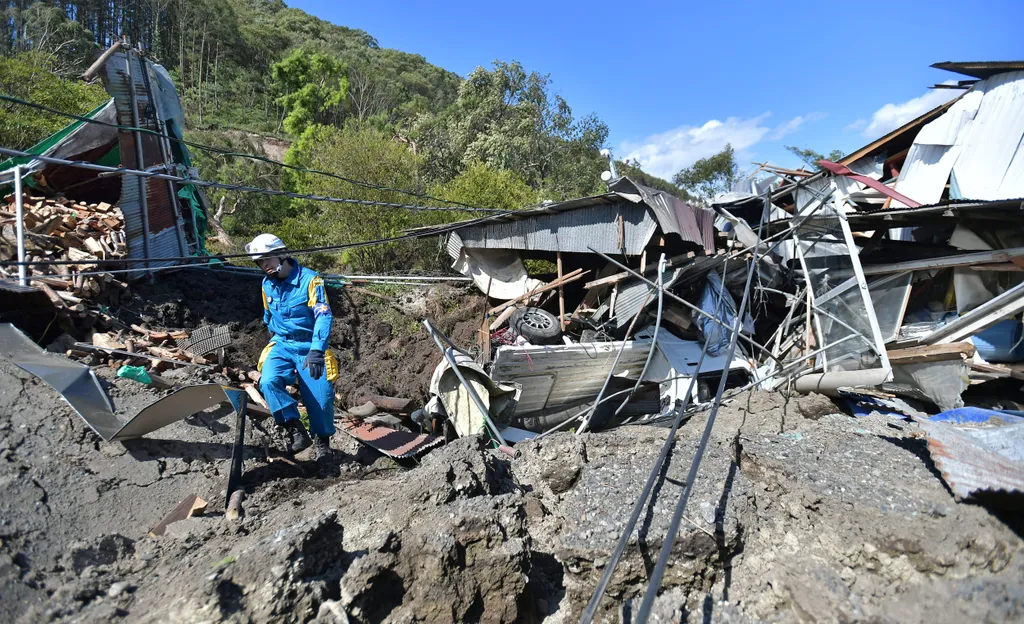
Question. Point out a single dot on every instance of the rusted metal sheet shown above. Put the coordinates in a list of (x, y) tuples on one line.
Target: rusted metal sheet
[(977, 459), (166, 233), (397, 444)]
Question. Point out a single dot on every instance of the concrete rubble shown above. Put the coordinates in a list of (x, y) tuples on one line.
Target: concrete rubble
[(828, 362)]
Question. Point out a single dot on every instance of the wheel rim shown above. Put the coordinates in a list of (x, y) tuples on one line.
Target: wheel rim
[(537, 321)]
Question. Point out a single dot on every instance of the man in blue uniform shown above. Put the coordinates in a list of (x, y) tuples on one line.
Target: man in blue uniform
[(298, 315)]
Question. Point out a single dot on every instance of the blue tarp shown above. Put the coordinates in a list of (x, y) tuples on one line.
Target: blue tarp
[(717, 302), (976, 415)]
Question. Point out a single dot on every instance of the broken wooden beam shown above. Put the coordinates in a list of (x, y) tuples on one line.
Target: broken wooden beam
[(932, 353)]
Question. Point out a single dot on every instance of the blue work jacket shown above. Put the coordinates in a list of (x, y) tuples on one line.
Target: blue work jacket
[(296, 308)]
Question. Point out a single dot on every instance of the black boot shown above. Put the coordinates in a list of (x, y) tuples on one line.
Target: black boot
[(321, 447), (299, 439)]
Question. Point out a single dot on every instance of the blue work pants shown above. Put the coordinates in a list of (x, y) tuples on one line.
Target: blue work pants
[(282, 367)]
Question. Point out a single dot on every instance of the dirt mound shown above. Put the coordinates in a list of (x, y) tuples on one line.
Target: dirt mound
[(380, 345), (798, 513)]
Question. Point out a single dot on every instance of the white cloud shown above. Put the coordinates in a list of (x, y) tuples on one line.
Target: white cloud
[(894, 115), (664, 154), (794, 124), (856, 125)]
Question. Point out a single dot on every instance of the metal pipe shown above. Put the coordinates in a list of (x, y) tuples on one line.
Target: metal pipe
[(643, 613), (235, 473), (19, 204), (606, 576), (654, 339), (139, 162), (611, 372), (462, 379), (686, 303)]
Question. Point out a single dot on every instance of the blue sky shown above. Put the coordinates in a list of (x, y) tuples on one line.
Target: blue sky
[(676, 81)]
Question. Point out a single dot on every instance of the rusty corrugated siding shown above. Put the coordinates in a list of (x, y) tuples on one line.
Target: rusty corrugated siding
[(165, 226), (977, 459), (397, 444)]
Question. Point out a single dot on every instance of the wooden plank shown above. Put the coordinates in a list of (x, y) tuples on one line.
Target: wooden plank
[(932, 353), (191, 506), (500, 320), (571, 277), (561, 292)]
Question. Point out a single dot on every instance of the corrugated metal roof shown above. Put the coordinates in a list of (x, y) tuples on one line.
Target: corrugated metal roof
[(980, 69), (691, 223), (977, 459), (569, 230), (554, 227)]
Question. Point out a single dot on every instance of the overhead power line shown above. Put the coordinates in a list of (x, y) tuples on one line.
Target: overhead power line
[(290, 252), (224, 152), (237, 187)]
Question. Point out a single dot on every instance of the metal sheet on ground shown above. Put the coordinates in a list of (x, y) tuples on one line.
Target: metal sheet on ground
[(76, 383), (977, 459), (176, 406), (397, 444)]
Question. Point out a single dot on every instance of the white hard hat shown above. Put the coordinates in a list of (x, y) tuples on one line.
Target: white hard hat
[(265, 245)]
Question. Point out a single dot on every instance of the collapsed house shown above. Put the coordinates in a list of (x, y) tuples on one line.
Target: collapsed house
[(76, 216), (890, 280)]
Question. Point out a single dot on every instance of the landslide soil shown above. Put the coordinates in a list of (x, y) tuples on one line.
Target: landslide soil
[(379, 342), (799, 513)]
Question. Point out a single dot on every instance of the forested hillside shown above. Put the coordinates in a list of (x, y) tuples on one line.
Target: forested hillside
[(251, 70)]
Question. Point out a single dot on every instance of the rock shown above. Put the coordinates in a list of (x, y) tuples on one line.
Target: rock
[(813, 406), (117, 589), (552, 464), (331, 612), (105, 550)]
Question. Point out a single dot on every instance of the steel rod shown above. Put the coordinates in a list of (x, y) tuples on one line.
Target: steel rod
[(462, 379), (19, 204)]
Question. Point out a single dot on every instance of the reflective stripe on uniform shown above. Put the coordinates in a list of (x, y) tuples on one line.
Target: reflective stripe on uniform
[(264, 354)]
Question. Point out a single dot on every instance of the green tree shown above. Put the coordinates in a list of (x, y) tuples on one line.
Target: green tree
[(368, 155), (482, 187), (709, 177), (811, 157), (313, 87), (29, 76), (506, 119)]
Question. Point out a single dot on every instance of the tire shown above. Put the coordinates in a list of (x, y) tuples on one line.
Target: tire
[(536, 325)]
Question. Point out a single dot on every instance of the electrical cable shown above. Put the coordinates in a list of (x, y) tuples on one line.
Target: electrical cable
[(236, 187), (224, 152), (641, 501)]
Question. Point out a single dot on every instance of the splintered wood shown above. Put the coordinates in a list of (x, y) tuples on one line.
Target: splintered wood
[(58, 229)]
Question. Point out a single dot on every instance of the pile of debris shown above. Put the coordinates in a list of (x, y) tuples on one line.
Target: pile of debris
[(906, 302), (74, 235)]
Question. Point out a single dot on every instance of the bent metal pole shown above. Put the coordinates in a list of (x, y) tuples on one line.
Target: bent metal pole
[(469, 388)]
